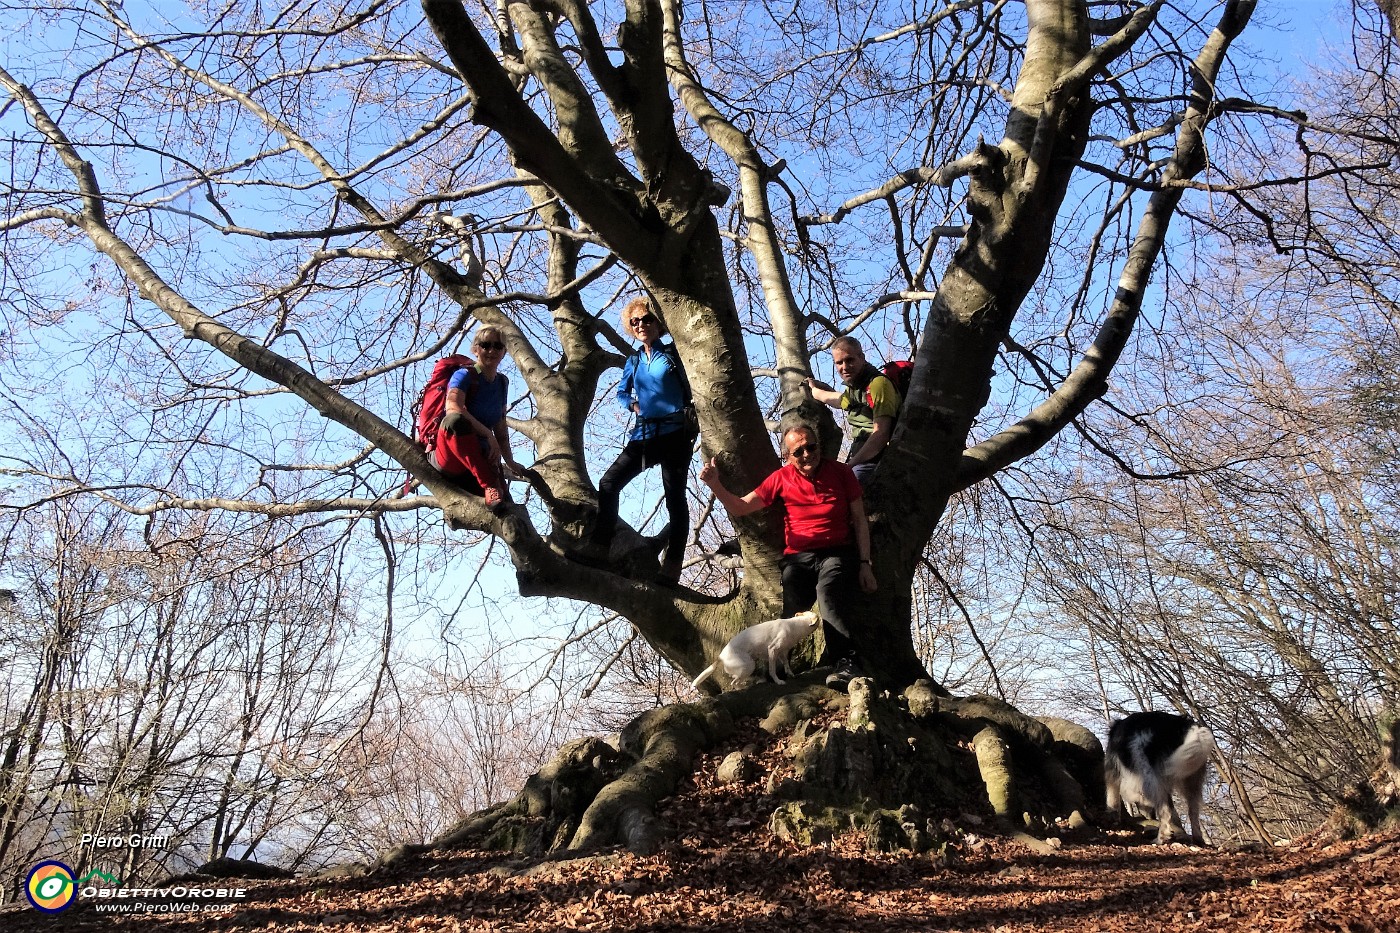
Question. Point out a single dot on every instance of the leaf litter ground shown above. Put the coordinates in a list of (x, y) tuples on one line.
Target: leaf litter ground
[(724, 870)]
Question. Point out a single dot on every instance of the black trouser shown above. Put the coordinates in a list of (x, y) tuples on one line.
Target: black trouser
[(673, 452), (829, 578)]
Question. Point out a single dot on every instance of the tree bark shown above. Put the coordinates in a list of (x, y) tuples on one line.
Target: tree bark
[(1015, 192)]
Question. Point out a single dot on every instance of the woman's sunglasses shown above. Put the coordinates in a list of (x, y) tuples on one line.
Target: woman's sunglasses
[(491, 345), (644, 319)]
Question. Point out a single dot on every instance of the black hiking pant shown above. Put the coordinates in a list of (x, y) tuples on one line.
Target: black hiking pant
[(830, 578), (672, 451)]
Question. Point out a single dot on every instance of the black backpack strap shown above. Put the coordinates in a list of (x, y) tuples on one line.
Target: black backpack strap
[(473, 385), (674, 356), (690, 418)]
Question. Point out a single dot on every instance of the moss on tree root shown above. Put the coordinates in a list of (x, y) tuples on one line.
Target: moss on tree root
[(890, 770)]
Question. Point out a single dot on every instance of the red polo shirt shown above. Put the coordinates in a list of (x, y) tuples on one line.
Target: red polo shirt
[(817, 511)]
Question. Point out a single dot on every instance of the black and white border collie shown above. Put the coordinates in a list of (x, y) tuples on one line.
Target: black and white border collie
[(1149, 756)]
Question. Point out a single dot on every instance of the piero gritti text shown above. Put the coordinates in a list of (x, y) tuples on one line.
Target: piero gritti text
[(132, 841)]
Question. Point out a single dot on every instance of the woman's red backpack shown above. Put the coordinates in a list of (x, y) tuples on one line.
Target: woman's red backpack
[(432, 404)]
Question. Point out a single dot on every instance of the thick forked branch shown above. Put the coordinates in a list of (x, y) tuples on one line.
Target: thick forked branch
[(590, 44), (1105, 52), (89, 191), (580, 132), (1055, 43), (663, 228), (636, 89), (1089, 379), (1073, 83), (761, 234), (497, 104), (637, 93)]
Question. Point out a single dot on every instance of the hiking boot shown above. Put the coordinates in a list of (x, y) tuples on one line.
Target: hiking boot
[(496, 502), (847, 669), (658, 542), (728, 555)]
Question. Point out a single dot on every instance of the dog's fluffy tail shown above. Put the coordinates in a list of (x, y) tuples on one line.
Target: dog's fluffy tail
[(1193, 754), (703, 674)]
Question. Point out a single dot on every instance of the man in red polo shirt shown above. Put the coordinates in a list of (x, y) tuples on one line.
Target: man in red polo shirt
[(826, 537)]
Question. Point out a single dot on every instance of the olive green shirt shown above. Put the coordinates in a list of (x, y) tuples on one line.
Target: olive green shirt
[(876, 399)]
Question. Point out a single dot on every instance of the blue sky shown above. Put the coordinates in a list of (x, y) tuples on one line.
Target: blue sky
[(1302, 26)]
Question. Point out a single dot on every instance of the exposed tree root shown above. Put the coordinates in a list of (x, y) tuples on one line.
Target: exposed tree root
[(1081, 752), (893, 769), (994, 763), (1376, 803), (663, 742), (547, 812)]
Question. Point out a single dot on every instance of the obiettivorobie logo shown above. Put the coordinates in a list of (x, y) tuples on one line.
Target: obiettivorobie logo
[(50, 887)]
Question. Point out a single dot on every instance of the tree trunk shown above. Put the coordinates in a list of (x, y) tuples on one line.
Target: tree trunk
[(1374, 804)]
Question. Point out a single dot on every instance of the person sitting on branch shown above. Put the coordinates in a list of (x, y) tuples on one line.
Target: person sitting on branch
[(472, 440)]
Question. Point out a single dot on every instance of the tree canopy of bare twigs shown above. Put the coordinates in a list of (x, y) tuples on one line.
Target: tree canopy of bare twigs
[(230, 220)]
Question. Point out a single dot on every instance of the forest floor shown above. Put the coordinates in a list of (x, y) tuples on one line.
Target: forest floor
[(747, 882), (724, 870)]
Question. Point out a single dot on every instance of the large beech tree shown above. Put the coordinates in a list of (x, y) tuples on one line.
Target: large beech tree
[(271, 181)]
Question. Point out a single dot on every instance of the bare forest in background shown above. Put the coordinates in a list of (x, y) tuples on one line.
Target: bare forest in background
[(222, 618)]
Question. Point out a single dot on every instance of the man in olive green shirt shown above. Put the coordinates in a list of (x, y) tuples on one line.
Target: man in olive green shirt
[(870, 401)]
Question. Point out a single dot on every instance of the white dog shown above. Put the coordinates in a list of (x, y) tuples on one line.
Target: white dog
[(774, 640), (1149, 756)]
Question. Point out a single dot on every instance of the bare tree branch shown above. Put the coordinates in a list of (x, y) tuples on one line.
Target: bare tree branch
[(1089, 379)]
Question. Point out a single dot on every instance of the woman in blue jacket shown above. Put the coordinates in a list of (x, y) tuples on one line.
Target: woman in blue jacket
[(654, 388)]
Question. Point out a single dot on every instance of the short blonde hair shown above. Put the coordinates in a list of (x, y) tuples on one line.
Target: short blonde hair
[(490, 330)]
